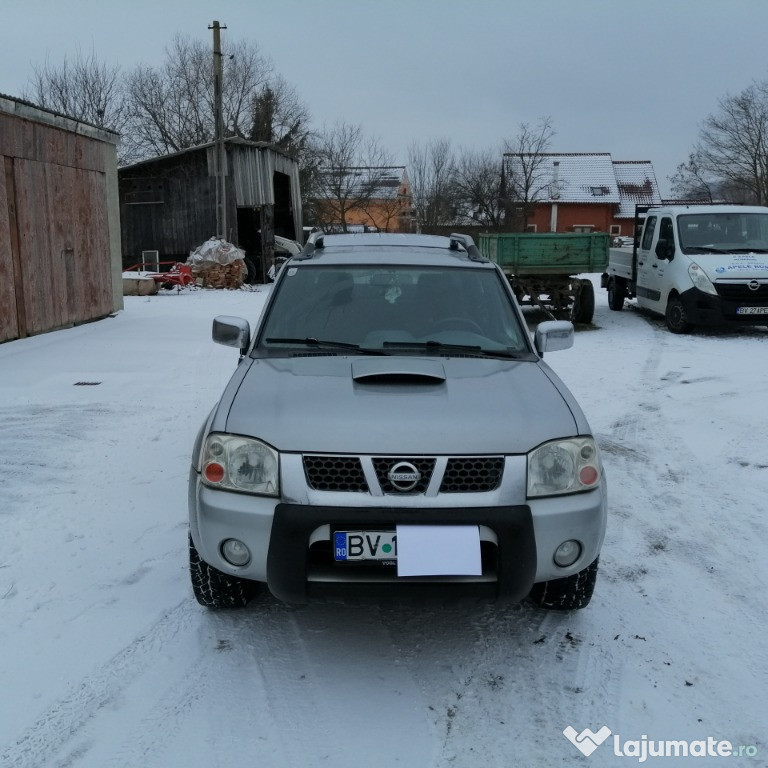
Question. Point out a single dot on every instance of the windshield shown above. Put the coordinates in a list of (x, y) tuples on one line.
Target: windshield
[(393, 309), (719, 232)]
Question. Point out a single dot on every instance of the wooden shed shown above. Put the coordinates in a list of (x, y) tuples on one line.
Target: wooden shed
[(59, 221), (168, 204)]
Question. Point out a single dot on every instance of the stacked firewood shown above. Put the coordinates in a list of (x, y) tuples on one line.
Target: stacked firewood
[(212, 275)]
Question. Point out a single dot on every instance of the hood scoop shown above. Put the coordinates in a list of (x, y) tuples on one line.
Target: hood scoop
[(398, 370)]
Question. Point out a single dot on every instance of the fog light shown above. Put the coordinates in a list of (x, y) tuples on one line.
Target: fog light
[(235, 552), (567, 553)]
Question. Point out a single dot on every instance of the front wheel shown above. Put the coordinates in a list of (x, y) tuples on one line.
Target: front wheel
[(214, 589), (567, 594), (677, 320)]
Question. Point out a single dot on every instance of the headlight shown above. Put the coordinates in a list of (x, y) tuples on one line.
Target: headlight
[(240, 464), (563, 466), (700, 279)]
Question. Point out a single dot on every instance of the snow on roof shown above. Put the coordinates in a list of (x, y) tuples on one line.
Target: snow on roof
[(637, 185), (570, 177), (374, 182)]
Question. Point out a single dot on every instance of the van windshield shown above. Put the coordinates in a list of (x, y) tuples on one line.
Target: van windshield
[(393, 309), (723, 232)]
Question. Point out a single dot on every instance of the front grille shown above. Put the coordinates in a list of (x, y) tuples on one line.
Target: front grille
[(382, 466), (335, 473), (741, 293), (463, 474), (472, 474)]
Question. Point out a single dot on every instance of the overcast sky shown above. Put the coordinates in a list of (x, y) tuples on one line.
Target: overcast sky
[(622, 76)]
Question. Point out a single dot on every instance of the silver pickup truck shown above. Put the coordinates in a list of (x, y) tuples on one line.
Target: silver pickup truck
[(391, 426)]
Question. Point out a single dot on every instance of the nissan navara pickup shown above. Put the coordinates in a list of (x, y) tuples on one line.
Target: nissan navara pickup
[(392, 427)]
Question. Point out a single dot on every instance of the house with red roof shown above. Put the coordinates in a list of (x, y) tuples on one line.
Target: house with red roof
[(577, 192)]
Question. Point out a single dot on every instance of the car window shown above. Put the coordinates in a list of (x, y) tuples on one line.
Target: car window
[(376, 306), (648, 230)]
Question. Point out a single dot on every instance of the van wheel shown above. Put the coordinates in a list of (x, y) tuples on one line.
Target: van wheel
[(677, 321), (617, 292), (568, 594), (214, 589)]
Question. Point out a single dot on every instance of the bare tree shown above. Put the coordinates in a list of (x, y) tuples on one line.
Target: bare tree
[(172, 105), (525, 174), (692, 182), (478, 188), (431, 170), (280, 117), (733, 143), (83, 88), (348, 169)]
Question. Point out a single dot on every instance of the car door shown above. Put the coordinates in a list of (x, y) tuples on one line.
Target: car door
[(655, 284), (645, 258)]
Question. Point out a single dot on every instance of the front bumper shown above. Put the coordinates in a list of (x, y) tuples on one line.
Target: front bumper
[(705, 309), (300, 564), (290, 543)]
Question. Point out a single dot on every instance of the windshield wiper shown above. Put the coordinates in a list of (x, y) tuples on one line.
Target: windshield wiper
[(701, 249), (439, 346), (748, 250), (311, 341)]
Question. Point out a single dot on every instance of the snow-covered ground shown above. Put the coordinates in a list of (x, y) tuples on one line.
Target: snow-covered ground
[(108, 661)]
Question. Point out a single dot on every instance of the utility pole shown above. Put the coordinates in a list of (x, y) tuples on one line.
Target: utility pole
[(219, 154)]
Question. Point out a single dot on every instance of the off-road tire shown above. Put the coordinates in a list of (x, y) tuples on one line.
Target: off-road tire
[(584, 302), (568, 594), (214, 589), (675, 316), (617, 292)]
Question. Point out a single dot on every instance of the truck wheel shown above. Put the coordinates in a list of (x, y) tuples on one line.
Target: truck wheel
[(566, 594), (617, 292), (214, 589), (677, 321), (584, 303)]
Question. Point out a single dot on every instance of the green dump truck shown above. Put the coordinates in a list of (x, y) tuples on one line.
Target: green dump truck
[(542, 268)]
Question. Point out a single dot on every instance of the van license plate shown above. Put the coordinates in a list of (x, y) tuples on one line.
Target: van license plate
[(752, 311), (356, 546)]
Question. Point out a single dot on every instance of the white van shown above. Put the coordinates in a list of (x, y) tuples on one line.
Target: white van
[(696, 265)]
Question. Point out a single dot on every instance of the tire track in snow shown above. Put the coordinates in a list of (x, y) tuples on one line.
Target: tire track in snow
[(40, 744), (314, 662)]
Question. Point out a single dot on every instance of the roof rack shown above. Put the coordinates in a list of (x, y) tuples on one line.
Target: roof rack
[(315, 242), (466, 242)]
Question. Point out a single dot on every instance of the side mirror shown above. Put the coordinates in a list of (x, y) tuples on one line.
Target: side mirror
[(665, 250), (553, 335), (232, 332)]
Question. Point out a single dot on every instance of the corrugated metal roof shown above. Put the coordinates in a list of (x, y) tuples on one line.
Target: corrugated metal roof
[(637, 185)]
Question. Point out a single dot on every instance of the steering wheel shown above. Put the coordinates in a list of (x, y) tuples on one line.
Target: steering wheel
[(458, 323)]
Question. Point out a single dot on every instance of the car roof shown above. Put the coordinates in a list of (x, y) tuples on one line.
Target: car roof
[(392, 249)]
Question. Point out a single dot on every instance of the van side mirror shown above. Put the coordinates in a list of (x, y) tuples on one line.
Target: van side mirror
[(665, 249)]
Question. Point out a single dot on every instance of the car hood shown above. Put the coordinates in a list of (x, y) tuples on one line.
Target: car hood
[(407, 404)]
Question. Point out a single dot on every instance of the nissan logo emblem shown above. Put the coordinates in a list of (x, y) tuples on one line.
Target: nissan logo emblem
[(404, 476), (754, 285)]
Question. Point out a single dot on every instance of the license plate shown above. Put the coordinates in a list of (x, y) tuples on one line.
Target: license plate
[(361, 546), (752, 311)]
